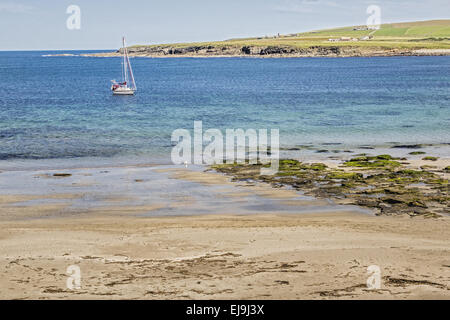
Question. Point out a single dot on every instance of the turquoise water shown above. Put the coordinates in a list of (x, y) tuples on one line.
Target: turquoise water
[(61, 107)]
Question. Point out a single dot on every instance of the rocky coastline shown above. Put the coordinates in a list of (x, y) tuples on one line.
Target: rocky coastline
[(167, 51)]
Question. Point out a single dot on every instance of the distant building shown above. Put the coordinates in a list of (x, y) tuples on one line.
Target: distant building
[(360, 28)]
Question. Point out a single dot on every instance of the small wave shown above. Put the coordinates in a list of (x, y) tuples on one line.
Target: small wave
[(60, 55), (60, 155)]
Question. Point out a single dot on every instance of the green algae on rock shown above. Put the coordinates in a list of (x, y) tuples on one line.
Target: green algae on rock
[(416, 153), (380, 161), (430, 158), (377, 182)]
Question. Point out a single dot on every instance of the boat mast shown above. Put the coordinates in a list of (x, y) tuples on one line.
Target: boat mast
[(125, 65)]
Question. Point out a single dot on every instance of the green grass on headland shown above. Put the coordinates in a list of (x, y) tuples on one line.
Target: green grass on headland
[(433, 34), (407, 30)]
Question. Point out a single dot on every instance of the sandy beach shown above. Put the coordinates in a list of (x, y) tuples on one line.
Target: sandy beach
[(286, 246)]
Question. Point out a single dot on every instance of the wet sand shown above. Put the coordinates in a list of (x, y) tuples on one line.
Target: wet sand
[(132, 241)]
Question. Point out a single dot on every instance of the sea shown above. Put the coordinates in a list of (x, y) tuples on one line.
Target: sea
[(59, 110)]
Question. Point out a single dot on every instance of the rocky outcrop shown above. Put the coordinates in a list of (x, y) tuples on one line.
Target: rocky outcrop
[(382, 183), (232, 51), (267, 51)]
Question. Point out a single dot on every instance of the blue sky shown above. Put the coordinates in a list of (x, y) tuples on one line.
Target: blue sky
[(41, 24)]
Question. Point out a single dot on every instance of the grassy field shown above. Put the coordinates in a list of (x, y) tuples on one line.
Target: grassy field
[(432, 34), (407, 30)]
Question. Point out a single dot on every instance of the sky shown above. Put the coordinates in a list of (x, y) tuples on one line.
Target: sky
[(42, 24)]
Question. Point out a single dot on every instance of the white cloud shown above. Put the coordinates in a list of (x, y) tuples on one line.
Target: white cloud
[(10, 7)]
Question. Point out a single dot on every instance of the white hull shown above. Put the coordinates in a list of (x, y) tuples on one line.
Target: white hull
[(124, 91)]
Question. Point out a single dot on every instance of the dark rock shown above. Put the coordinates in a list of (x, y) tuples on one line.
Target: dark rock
[(407, 146), (63, 175), (246, 50)]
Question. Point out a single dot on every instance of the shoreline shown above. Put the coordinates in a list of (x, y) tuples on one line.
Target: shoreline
[(257, 51), (310, 152), (410, 180), (386, 53), (145, 190), (125, 251)]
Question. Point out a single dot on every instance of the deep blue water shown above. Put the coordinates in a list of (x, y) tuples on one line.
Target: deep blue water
[(61, 107)]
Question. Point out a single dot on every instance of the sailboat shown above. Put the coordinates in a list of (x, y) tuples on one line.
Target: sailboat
[(128, 85)]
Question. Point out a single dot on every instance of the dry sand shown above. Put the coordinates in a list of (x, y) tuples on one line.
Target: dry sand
[(122, 255), (317, 256)]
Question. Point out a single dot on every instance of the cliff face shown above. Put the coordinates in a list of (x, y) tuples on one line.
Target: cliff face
[(164, 51), (268, 51)]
